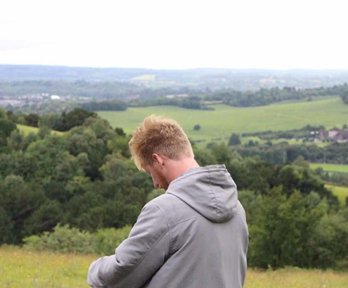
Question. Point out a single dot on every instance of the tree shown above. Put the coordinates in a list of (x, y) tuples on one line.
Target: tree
[(45, 218), (197, 127), (6, 128), (72, 119), (330, 240), (234, 140), (345, 98), (32, 120), (19, 201), (120, 132), (282, 229)]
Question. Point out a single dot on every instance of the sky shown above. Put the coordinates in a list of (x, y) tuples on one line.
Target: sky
[(176, 34)]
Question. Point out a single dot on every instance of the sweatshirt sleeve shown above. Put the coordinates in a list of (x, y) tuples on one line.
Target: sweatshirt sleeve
[(138, 257)]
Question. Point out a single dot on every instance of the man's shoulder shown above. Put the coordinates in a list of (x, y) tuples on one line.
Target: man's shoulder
[(163, 201), (172, 208)]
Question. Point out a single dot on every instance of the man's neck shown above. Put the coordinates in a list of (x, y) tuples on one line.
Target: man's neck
[(175, 168)]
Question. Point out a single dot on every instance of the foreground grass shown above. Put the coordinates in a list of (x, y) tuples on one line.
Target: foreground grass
[(220, 123), (296, 278), (20, 268)]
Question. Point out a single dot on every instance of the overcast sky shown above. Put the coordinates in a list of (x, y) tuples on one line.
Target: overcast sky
[(271, 34)]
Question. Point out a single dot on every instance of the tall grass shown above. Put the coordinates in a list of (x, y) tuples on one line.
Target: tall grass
[(296, 278), (21, 268)]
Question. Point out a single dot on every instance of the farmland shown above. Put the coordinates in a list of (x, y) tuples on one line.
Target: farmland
[(220, 123), (330, 167), (21, 268), (340, 191)]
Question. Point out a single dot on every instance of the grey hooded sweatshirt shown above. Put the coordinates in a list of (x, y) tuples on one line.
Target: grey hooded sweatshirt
[(193, 236)]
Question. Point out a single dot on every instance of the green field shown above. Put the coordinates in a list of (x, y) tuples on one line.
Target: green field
[(27, 129), (340, 192), (220, 123), (20, 268), (330, 167)]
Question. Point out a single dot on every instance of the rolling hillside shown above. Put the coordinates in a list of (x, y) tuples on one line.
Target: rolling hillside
[(220, 123)]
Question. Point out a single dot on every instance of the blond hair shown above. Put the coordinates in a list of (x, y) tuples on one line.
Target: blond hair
[(158, 135)]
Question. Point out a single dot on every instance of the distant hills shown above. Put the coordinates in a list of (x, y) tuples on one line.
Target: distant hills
[(209, 78)]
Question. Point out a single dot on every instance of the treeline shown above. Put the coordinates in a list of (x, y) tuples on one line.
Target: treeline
[(199, 99), (281, 153), (59, 122), (183, 101), (112, 105), (273, 95), (118, 96), (85, 178), (306, 133)]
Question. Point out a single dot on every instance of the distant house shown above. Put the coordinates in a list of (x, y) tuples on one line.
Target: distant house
[(334, 135)]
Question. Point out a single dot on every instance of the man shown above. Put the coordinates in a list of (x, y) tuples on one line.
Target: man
[(193, 236)]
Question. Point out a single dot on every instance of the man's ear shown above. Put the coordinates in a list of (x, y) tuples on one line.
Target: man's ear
[(157, 158)]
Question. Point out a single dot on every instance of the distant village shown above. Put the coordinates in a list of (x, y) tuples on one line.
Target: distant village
[(11, 102)]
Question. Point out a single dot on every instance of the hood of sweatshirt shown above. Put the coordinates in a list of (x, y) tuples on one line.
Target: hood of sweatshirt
[(209, 190)]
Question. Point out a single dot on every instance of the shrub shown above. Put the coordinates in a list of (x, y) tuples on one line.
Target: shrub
[(197, 127), (62, 239), (65, 239), (107, 239)]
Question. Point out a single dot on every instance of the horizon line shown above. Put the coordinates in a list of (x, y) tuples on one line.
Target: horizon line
[(179, 69)]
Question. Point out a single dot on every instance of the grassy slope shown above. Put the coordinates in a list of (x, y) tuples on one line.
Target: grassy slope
[(331, 167), (340, 192), (224, 120), (20, 268), (28, 129)]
